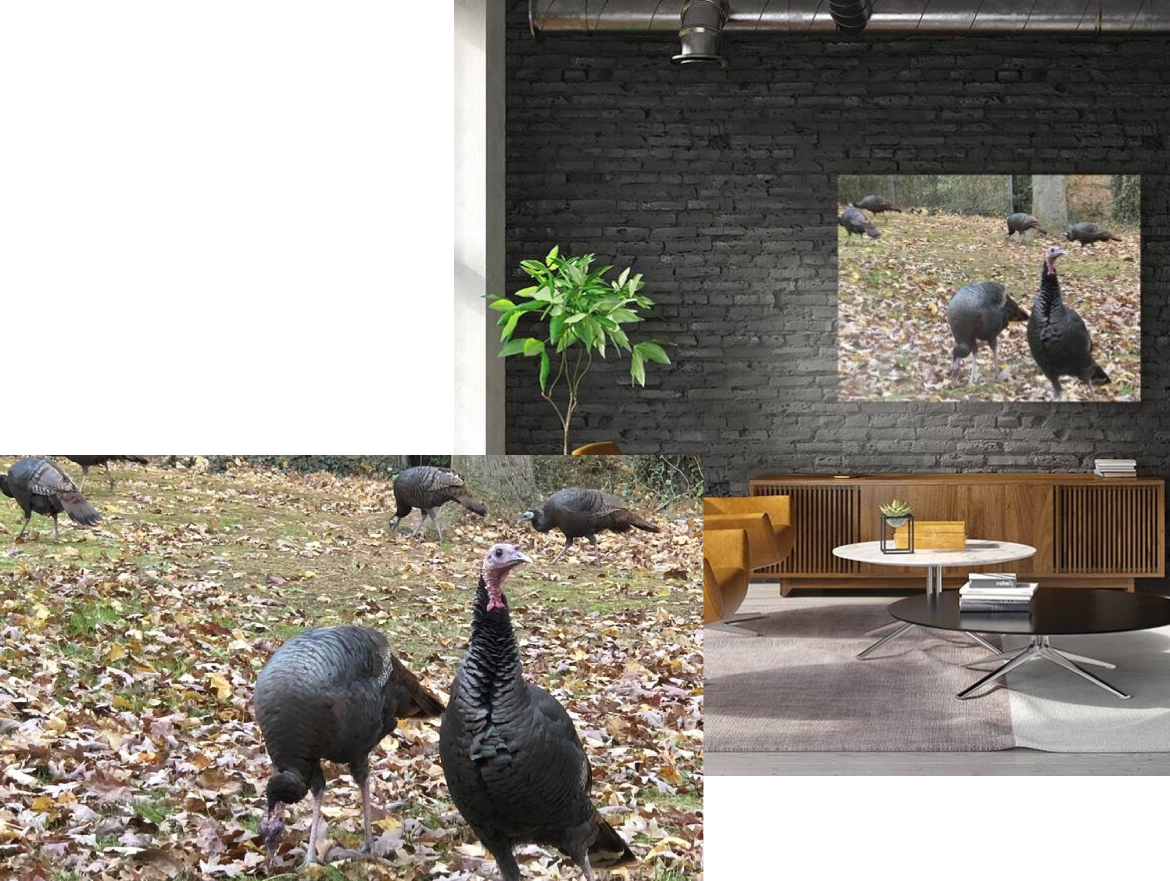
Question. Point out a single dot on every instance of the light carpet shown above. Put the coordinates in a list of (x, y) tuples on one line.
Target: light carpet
[(799, 687)]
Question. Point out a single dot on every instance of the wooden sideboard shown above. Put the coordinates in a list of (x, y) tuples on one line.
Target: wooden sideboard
[(1087, 531)]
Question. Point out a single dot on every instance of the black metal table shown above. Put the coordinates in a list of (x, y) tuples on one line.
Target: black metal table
[(1055, 611)]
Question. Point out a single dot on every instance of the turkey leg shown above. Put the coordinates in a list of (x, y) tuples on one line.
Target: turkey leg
[(568, 544), (23, 529), (109, 476), (84, 475), (421, 523), (596, 550), (369, 846), (311, 852), (56, 536), (438, 528)]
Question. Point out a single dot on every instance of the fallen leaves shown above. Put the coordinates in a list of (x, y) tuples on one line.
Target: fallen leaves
[(893, 340), (127, 740)]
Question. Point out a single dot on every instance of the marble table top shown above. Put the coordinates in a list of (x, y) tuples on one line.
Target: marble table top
[(978, 552)]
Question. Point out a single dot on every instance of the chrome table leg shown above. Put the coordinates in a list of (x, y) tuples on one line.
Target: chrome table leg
[(1030, 653), (1039, 647), (887, 638), (1056, 657)]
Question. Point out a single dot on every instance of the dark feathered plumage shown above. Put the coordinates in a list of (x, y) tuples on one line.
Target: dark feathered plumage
[(86, 461), (1057, 335), (513, 761), (330, 693), (1021, 223), (980, 311), (41, 487), (1089, 234), (582, 513), (856, 223), (428, 487)]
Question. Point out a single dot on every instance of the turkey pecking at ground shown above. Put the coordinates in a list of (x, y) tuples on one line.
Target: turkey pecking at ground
[(1089, 234), (1021, 223), (330, 693), (980, 311), (41, 487), (878, 205), (1057, 335), (856, 223), (86, 461), (513, 761), (582, 513), (428, 487)]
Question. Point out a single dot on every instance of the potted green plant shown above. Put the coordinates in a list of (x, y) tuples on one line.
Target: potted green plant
[(896, 512), (580, 315)]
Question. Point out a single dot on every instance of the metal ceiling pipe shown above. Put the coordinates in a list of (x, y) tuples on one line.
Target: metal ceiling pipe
[(701, 34), (890, 18), (851, 16)]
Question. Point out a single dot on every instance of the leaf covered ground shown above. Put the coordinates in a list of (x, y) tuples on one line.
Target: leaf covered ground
[(893, 341), (128, 749)]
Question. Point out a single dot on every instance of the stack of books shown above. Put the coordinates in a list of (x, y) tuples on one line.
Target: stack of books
[(995, 592), (1115, 467)]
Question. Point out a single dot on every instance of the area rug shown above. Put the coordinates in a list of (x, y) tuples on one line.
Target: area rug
[(799, 686)]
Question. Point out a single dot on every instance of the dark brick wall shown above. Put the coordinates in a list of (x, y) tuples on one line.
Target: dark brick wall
[(720, 187)]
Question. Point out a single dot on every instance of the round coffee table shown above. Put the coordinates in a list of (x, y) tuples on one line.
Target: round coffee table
[(976, 553), (1054, 611)]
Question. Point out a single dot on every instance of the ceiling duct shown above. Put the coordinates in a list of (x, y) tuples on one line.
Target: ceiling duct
[(701, 32), (850, 16), (889, 18)]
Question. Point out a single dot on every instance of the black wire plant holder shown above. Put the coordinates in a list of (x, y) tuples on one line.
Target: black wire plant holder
[(890, 545)]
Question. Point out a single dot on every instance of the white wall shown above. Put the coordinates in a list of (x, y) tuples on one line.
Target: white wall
[(479, 223)]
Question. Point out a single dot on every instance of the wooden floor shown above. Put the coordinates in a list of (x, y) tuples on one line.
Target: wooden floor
[(1002, 763)]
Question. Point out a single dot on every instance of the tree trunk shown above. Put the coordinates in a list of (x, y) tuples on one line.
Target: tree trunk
[(1050, 201), (505, 480)]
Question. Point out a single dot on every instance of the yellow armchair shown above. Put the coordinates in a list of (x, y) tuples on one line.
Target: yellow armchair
[(766, 519), (725, 573)]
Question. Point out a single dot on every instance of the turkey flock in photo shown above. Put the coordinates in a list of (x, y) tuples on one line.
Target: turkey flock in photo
[(881, 350), (505, 728)]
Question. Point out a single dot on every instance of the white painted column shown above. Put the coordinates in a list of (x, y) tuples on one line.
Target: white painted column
[(479, 224)]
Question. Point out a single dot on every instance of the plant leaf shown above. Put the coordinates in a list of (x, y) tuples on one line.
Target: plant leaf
[(652, 352), (502, 305), (532, 346), (510, 327), (544, 368), (637, 368), (512, 347)]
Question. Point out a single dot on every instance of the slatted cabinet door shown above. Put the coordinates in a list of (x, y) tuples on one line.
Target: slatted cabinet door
[(823, 517)]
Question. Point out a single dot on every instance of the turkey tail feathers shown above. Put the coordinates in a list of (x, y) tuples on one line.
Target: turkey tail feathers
[(466, 500), (78, 509), (427, 702), (645, 525), (607, 849), (1099, 377)]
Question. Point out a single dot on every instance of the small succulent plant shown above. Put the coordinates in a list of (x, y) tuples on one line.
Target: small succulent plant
[(896, 508)]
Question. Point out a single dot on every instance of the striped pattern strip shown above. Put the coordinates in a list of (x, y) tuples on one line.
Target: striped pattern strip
[(878, 828)]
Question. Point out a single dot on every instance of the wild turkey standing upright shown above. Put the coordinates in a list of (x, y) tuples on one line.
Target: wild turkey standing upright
[(980, 311), (41, 487), (1089, 234), (513, 761), (1021, 223), (428, 487), (1057, 335), (330, 693), (582, 513), (86, 461), (856, 223)]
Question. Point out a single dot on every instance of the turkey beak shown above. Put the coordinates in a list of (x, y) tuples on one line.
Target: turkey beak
[(521, 557), (524, 518)]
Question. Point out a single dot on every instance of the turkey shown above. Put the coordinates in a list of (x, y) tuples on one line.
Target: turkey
[(1057, 336), (513, 761), (330, 693), (86, 461), (877, 205), (980, 311), (1089, 234), (856, 223), (1021, 223), (582, 513), (428, 487), (41, 487)]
